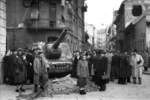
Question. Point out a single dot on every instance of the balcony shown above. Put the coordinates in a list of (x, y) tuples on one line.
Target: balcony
[(46, 24)]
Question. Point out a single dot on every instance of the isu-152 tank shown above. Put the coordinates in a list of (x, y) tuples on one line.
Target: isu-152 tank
[(57, 55)]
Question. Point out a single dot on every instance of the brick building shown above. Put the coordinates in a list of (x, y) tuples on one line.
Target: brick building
[(44, 20)]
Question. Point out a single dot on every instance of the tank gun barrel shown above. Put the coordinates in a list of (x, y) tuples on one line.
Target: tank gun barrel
[(60, 38)]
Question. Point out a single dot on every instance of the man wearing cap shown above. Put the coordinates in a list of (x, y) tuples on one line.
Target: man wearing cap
[(40, 72), (101, 70), (137, 64)]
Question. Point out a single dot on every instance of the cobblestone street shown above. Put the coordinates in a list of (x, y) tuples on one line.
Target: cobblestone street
[(113, 92)]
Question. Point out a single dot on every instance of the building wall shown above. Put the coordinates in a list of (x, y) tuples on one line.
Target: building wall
[(65, 17), (126, 18), (92, 32), (129, 6), (148, 33), (2, 36), (102, 40), (140, 33)]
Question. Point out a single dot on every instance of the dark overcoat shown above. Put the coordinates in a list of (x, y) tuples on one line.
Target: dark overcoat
[(75, 62), (22, 76), (29, 66), (13, 65), (6, 61), (115, 66), (124, 66), (101, 65)]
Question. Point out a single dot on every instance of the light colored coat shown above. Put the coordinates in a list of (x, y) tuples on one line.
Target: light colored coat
[(136, 68), (109, 57), (37, 66)]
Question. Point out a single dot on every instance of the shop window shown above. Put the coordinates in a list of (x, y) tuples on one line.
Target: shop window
[(137, 10)]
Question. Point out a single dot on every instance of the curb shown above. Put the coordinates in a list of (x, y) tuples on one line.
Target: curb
[(147, 73)]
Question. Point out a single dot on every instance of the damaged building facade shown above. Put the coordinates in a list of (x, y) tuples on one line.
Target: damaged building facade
[(31, 21), (133, 29)]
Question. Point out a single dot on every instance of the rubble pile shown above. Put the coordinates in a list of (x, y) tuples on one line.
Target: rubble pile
[(65, 85)]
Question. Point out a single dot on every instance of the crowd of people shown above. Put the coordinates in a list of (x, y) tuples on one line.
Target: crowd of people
[(104, 66), (23, 66)]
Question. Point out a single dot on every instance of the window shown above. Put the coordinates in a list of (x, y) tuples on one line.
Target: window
[(52, 23), (137, 10), (51, 39), (63, 19), (34, 12), (52, 13)]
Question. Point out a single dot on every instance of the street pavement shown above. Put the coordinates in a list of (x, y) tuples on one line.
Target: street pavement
[(114, 91)]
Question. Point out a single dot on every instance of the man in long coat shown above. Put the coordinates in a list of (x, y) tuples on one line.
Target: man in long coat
[(137, 64), (76, 59), (40, 72), (114, 67), (123, 68), (101, 65), (13, 65), (145, 58), (29, 66)]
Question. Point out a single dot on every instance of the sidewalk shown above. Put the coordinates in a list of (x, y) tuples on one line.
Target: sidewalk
[(147, 72)]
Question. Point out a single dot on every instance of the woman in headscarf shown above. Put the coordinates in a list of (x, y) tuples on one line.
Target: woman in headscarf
[(20, 70)]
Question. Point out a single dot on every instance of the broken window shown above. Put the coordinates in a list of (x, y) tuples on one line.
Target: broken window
[(51, 39), (137, 10), (34, 12)]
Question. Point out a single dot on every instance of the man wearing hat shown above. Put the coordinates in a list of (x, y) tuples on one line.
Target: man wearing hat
[(137, 64), (29, 66), (40, 71), (101, 70), (13, 64)]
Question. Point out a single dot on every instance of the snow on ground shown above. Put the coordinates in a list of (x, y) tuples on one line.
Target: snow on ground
[(114, 91)]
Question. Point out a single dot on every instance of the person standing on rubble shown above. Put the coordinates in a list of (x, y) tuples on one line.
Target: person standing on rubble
[(82, 73)]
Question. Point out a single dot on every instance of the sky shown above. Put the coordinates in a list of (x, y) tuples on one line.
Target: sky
[(100, 12)]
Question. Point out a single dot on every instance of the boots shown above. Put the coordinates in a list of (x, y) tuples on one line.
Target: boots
[(82, 92), (134, 80), (140, 80), (36, 88)]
